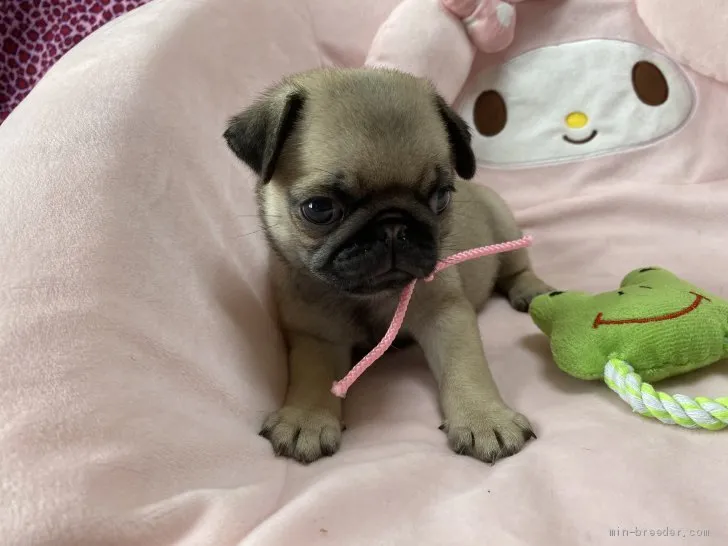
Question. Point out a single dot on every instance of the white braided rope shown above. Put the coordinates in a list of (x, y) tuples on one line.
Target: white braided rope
[(678, 409)]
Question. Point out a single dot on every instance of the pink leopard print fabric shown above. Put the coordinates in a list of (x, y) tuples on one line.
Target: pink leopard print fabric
[(34, 34)]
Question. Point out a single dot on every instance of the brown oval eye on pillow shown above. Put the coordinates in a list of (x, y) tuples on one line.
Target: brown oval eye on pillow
[(490, 113), (649, 83)]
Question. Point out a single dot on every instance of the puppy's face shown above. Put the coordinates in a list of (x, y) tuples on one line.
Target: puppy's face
[(357, 170)]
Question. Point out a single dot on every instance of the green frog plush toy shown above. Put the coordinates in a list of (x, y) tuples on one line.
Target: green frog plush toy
[(654, 326)]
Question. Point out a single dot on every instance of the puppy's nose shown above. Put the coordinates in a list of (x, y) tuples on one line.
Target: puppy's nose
[(392, 231), (391, 226)]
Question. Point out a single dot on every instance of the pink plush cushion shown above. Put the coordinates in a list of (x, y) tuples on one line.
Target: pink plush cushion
[(694, 32), (138, 346)]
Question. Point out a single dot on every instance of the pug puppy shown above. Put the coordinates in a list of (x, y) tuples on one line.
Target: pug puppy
[(362, 188)]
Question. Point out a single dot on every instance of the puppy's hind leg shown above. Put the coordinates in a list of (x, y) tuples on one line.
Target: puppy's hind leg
[(516, 278)]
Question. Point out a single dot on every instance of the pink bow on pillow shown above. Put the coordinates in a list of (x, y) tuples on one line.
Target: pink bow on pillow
[(490, 24), (438, 39)]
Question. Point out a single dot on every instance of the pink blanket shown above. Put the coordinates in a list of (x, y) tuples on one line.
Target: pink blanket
[(139, 352)]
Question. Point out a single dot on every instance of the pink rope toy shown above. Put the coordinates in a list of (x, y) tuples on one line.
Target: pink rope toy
[(339, 388)]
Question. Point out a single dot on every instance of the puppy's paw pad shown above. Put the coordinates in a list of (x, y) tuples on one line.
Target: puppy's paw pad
[(489, 435), (305, 435)]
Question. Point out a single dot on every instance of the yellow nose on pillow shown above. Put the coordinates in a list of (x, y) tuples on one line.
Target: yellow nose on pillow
[(577, 120)]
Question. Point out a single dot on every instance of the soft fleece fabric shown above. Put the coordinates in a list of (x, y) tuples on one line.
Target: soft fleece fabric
[(138, 348), (693, 32)]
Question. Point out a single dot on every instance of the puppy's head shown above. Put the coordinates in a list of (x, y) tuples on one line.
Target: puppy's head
[(356, 172)]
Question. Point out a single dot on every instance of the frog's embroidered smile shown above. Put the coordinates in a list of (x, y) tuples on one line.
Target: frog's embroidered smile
[(599, 321)]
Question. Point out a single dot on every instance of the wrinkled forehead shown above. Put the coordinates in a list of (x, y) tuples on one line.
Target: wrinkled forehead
[(379, 142)]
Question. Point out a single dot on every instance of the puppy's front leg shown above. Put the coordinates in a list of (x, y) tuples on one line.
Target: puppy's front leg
[(308, 426), (476, 420)]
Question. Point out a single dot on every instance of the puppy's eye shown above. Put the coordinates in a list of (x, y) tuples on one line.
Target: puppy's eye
[(440, 200), (321, 210)]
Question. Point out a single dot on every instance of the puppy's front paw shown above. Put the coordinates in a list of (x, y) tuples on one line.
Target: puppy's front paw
[(522, 293), (303, 434), (488, 434)]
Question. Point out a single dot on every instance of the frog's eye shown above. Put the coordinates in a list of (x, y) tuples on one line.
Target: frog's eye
[(620, 293), (555, 293)]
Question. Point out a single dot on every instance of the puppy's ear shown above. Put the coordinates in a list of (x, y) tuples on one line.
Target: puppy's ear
[(257, 134), (458, 134)]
